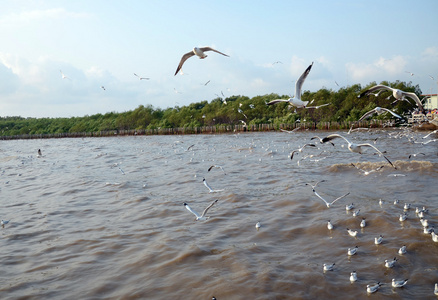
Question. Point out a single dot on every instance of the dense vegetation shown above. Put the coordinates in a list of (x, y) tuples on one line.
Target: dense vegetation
[(345, 106)]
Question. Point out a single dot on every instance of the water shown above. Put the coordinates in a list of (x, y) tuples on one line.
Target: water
[(103, 218)]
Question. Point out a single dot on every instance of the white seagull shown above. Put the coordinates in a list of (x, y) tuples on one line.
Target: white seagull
[(402, 250), (403, 217), (353, 276), (435, 291), (352, 232), (3, 223), (378, 110), (328, 267), (141, 78), (398, 94), (258, 225), (363, 223), (301, 150), (349, 206), (427, 135), (390, 263), (367, 172), (378, 240), (198, 52), (415, 155), (209, 188), (296, 100), (373, 288), (329, 225), (352, 251), (329, 204), (290, 131), (356, 148), (399, 283), (434, 237), (64, 76), (200, 217)]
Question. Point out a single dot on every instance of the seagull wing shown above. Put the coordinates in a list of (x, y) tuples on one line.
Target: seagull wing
[(333, 136), (367, 114), (375, 88), (369, 145), (326, 203), (192, 211), (208, 207), (415, 97), (211, 49), (390, 111), (277, 101), (206, 184), (340, 198), (183, 59), (318, 106), (300, 81)]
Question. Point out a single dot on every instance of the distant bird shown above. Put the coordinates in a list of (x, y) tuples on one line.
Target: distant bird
[(209, 188), (329, 204), (291, 131), (176, 91), (415, 155), (329, 225), (435, 291), (257, 225), (390, 263), (352, 251), (378, 110), (353, 276), (410, 73), (402, 250), (320, 139), (296, 100), (198, 52), (356, 148), (396, 93), (200, 217), (217, 167), (316, 184), (352, 232), (300, 150), (403, 217), (277, 62), (356, 213), (328, 267), (102, 87), (363, 223), (407, 206), (434, 237), (399, 283), (64, 76), (367, 172), (378, 240), (427, 135), (3, 223), (40, 153), (141, 78), (190, 147), (349, 206), (373, 288), (207, 82)]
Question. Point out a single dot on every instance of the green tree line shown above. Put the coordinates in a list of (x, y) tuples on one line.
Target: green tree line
[(344, 106)]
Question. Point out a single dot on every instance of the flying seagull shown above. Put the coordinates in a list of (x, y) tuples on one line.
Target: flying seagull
[(367, 172), (141, 78), (210, 190), (296, 100), (329, 204), (198, 52), (357, 148), (216, 166), (290, 131), (301, 149), (200, 217), (398, 94), (415, 154), (64, 76), (378, 110)]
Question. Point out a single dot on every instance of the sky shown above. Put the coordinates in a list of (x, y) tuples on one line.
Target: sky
[(103, 43)]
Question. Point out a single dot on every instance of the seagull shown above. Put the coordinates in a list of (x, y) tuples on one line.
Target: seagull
[(403, 217), (378, 110), (318, 106), (390, 263), (277, 62), (373, 288), (399, 283), (363, 223), (415, 155), (141, 78), (316, 184), (367, 172), (328, 267), (40, 153), (198, 52), (102, 87), (329, 225), (427, 135), (218, 167), (63, 75), (352, 232), (349, 206), (378, 240), (435, 291), (424, 222), (329, 204), (428, 230), (206, 82), (434, 237), (352, 251), (291, 131), (398, 94), (410, 73), (296, 100), (353, 276), (356, 213), (200, 217), (209, 188), (257, 226), (407, 206), (402, 250), (3, 223), (301, 149), (357, 148)]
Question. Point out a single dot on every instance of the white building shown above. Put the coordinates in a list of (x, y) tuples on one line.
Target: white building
[(430, 103)]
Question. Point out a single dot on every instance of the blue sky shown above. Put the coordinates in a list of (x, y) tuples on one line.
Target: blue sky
[(102, 43)]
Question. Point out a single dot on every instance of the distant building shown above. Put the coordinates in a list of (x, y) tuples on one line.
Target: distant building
[(431, 103)]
